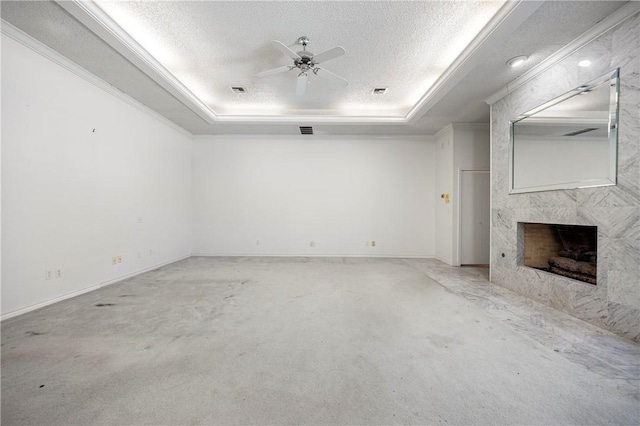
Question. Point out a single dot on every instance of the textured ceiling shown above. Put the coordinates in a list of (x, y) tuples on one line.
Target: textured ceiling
[(209, 46)]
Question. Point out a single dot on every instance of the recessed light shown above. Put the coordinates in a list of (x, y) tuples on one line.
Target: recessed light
[(238, 89), (518, 61), (379, 90), (584, 63)]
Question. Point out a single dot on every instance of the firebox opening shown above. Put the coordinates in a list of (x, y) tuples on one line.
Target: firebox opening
[(567, 250)]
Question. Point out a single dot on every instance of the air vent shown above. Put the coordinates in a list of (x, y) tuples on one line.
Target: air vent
[(238, 89), (579, 132), (306, 130), (379, 90)]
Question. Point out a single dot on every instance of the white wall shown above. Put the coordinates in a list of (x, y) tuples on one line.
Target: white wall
[(444, 185), (73, 197), (275, 195), (458, 147), (471, 151)]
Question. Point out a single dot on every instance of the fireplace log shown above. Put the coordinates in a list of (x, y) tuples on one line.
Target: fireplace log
[(584, 256), (589, 256), (571, 254), (575, 275), (564, 263)]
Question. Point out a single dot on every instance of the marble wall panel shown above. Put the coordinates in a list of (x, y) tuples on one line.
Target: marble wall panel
[(624, 320), (614, 303), (623, 288), (624, 222), (595, 216)]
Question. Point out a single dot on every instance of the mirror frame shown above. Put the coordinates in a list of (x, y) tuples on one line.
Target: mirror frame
[(614, 81)]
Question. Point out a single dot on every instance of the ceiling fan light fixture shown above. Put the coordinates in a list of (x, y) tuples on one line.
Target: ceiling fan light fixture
[(379, 91), (518, 61)]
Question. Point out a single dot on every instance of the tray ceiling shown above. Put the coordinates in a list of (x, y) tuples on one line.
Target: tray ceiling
[(209, 47), (437, 59)]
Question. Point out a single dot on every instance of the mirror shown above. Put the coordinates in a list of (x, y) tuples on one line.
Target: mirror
[(569, 142)]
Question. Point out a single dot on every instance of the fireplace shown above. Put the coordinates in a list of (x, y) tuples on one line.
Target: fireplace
[(567, 250)]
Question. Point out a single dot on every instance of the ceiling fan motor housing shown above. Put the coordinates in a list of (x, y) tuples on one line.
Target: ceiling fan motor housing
[(305, 61)]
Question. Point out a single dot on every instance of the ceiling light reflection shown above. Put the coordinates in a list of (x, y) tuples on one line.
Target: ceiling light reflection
[(421, 90), (371, 109), (518, 61), (196, 87), (144, 36), (266, 109)]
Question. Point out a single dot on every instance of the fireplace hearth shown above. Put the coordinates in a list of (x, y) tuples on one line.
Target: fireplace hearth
[(567, 250)]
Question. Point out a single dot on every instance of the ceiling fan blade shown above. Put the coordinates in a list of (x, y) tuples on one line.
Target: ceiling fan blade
[(284, 49), (301, 85), (275, 71), (329, 54), (328, 75)]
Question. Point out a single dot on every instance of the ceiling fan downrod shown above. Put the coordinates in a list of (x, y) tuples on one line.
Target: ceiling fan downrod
[(305, 62)]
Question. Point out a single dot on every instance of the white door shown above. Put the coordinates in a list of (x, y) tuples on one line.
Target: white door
[(474, 217)]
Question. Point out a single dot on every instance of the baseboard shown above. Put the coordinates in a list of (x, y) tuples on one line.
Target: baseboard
[(388, 256), (448, 262), (89, 289)]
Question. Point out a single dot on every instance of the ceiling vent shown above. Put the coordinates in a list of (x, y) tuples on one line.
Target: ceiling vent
[(379, 90), (306, 130), (238, 89)]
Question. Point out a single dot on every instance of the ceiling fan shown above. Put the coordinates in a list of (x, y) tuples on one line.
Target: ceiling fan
[(307, 62)]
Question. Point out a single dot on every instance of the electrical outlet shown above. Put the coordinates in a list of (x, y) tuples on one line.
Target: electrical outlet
[(48, 274), (58, 273), (373, 243), (119, 259), (139, 254), (114, 260), (312, 244)]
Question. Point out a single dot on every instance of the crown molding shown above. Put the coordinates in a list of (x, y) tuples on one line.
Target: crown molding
[(451, 127), (622, 14), (510, 16), (60, 60), (444, 131), (312, 119), (94, 18), (328, 137), (470, 126)]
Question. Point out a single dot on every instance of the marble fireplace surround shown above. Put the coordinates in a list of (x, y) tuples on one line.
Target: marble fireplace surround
[(614, 303)]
